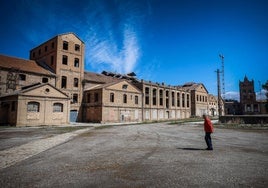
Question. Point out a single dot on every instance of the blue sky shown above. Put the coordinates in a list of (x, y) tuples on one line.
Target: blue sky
[(171, 41)]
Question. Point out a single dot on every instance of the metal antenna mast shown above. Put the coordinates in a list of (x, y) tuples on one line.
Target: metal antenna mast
[(219, 92), (222, 72)]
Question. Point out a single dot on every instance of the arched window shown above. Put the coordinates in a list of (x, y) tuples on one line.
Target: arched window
[(33, 106), (57, 107)]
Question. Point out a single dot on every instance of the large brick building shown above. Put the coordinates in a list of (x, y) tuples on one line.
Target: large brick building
[(58, 65)]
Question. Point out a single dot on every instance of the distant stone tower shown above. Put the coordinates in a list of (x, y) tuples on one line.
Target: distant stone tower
[(248, 101)]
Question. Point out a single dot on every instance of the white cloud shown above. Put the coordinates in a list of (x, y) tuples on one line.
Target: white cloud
[(232, 95), (112, 43)]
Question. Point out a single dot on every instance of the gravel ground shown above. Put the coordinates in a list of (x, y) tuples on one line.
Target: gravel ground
[(147, 155)]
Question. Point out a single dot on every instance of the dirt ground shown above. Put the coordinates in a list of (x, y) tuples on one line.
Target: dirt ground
[(146, 155)]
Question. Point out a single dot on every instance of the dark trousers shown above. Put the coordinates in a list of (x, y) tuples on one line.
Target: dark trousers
[(208, 140)]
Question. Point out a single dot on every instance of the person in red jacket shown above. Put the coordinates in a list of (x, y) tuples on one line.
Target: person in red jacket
[(208, 127)]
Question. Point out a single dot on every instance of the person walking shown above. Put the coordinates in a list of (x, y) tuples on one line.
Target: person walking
[(208, 127)]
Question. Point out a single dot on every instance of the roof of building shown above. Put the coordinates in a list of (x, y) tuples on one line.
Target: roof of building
[(32, 87), (23, 65), (193, 86), (98, 78)]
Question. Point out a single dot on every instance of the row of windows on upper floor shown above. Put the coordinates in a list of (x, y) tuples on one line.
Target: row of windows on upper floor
[(147, 100), (23, 77), (167, 95), (201, 98), (65, 61), (65, 46)]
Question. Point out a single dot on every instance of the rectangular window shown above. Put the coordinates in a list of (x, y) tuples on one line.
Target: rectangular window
[(76, 62), (125, 98), (63, 82), (147, 96), (33, 54), (64, 59), (183, 100), (57, 107), (76, 82), (136, 99), (65, 45), (75, 98), (44, 80), (178, 99), (173, 98), (188, 101), (22, 77), (52, 45), (45, 48), (39, 51), (161, 97), (154, 96), (33, 107), (111, 97), (77, 47)]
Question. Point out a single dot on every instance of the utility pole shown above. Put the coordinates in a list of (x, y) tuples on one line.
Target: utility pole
[(219, 92)]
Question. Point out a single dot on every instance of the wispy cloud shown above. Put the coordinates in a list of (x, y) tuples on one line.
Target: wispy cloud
[(113, 42)]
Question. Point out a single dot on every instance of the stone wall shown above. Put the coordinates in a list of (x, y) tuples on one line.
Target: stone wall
[(244, 119)]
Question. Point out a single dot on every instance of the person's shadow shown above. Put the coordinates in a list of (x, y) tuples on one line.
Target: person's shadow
[(192, 149)]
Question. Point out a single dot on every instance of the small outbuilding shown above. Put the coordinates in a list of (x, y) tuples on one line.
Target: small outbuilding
[(35, 105)]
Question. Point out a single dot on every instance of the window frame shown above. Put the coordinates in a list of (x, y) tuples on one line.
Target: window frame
[(57, 107), (33, 106)]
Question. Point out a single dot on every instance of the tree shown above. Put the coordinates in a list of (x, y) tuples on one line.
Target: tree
[(265, 87)]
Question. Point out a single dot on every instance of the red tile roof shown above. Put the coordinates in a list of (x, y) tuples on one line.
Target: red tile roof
[(22, 65)]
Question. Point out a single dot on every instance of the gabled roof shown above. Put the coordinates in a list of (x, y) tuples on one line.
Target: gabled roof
[(32, 87), (70, 33), (190, 86), (23, 65)]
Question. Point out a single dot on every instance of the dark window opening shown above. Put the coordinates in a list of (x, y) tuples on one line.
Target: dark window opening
[(76, 62), (22, 77), (154, 96), (76, 82), (63, 82), (147, 97), (161, 97), (111, 97), (44, 80), (75, 98), (88, 98), (125, 98), (77, 47), (65, 45), (136, 100), (64, 60)]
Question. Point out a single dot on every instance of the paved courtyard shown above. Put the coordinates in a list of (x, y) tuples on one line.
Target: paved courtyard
[(147, 155)]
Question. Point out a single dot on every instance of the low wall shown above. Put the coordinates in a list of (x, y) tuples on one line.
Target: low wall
[(244, 119)]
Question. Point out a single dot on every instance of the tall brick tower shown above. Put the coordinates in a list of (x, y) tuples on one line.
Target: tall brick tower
[(64, 55), (248, 97)]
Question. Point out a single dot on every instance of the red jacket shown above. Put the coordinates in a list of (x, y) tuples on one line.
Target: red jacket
[(208, 127)]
